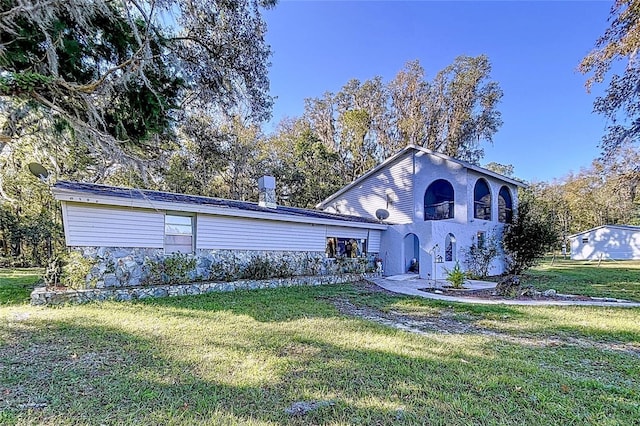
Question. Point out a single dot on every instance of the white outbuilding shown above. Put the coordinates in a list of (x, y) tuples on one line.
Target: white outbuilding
[(619, 242)]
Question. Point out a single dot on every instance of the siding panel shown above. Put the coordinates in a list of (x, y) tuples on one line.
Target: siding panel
[(222, 232), (374, 241), (113, 227), (394, 181), (344, 232)]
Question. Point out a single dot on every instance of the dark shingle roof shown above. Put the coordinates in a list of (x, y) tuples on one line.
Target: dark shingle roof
[(145, 194)]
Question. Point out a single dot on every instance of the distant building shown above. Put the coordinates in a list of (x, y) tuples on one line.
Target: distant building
[(619, 242)]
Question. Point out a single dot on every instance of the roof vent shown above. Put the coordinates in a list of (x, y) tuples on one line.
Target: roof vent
[(267, 187)]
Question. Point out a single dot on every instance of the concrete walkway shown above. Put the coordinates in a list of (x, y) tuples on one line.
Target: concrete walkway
[(410, 284)]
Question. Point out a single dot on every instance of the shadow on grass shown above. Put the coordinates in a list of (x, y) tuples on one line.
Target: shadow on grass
[(278, 304), (80, 370), (294, 303)]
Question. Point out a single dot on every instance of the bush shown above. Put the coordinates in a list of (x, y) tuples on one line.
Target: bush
[(478, 259), (261, 267), (173, 269), (68, 270), (528, 238)]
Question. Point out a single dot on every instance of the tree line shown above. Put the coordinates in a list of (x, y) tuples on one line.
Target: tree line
[(171, 95)]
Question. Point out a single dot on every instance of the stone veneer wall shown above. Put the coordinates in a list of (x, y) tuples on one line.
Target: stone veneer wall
[(44, 296), (115, 267)]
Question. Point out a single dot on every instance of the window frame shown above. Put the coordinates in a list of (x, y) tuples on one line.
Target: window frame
[(441, 195), (505, 205), (192, 234), (340, 247), (482, 209)]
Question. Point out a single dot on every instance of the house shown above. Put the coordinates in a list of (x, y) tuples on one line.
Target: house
[(619, 242), (418, 206), (436, 207), (125, 231)]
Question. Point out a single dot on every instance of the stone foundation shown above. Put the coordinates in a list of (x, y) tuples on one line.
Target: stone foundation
[(46, 296), (114, 267)]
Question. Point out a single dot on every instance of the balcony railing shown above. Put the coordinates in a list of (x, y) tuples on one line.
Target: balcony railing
[(439, 211), (482, 211)]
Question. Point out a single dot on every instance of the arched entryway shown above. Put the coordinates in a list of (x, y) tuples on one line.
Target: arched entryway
[(411, 251)]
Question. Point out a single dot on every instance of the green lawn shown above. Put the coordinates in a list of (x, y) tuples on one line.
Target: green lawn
[(245, 357), (619, 279), (16, 285)]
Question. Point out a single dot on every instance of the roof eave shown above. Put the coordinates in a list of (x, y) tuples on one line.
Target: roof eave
[(74, 196)]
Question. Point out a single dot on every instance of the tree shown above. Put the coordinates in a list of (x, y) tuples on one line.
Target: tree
[(451, 114), (365, 122), (503, 169), (308, 170), (621, 102), (120, 75), (529, 237), (98, 90)]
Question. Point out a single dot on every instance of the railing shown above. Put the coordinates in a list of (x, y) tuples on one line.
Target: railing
[(439, 211), (505, 215), (482, 211)]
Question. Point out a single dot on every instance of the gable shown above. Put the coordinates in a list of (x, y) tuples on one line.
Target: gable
[(389, 187)]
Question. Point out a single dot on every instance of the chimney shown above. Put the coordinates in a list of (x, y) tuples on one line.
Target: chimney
[(267, 186)]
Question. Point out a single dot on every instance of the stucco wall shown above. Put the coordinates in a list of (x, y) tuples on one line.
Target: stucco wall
[(430, 234)]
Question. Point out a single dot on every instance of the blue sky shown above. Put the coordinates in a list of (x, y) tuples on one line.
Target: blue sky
[(534, 47)]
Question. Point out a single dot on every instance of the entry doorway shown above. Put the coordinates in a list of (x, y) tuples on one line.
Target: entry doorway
[(411, 252)]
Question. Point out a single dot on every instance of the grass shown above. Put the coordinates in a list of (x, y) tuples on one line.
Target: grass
[(245, 357), (617, 279), (16, 285)]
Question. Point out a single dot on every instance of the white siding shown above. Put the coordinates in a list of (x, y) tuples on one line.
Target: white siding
[(393, 181), (345, 232), (113, 227), (606, 242), (222, 232), (373, 242)]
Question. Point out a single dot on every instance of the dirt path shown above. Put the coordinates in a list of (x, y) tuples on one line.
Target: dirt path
[(448, 322)]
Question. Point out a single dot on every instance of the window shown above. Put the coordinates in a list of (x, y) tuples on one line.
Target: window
[(482, 200), (481, 239), (585, 240), (178, 234), (438, 201), (450, 248), (505, 206), (346, 247)]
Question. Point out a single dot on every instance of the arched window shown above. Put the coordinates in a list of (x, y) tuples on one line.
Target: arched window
[(438, 201), (505, 205), (450, 248), (482, 200)]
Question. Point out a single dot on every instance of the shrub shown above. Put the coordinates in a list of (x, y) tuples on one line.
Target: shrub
[(261, 267), (173, 269), (528, 238), (478, 259), (68, 270)]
